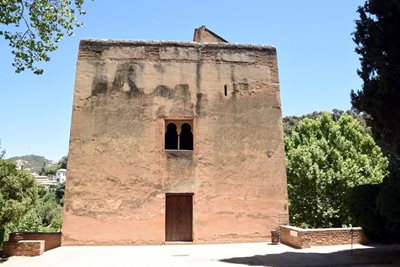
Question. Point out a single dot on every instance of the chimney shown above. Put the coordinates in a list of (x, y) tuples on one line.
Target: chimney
[(204, 35)]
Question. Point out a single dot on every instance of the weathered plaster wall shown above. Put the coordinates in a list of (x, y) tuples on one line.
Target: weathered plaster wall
[(118, 171)]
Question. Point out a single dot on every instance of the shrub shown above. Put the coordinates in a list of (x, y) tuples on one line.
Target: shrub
[(364, 211)]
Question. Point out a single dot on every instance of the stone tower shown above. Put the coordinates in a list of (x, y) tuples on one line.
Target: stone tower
[(175, 141)]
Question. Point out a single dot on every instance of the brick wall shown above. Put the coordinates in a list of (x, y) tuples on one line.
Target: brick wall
[(305, 238), (23, 248), (51, 240)]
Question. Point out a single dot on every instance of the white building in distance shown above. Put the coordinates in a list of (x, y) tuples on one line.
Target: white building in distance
[(60, 176)]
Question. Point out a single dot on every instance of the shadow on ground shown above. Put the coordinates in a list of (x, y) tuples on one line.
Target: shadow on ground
[(376, 256), (3, 258)]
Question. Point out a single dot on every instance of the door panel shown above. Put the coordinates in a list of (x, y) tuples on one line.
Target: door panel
[(179, 217)]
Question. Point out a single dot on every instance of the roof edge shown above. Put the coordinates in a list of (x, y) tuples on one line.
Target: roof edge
[(113, 42)]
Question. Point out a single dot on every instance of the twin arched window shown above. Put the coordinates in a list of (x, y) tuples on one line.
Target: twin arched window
[(179, 136)]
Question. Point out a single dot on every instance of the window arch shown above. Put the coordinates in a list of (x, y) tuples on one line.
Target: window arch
[(178, 135), (186, 137), (171, 137)]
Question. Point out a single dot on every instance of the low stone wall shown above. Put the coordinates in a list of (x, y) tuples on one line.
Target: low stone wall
[(305, 238), (51, 240), (23, 248)]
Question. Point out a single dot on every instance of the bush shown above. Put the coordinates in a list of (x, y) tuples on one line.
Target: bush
[(388, 201), (364, 211), (48, 209), (376, 207), (44, 216), (18, 194)]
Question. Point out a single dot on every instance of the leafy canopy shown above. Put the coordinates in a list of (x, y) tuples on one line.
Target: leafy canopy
[(377, 37), (324, 159), (290, 122), (34, 27), (63, 162), (18, 194), (388, 200), (44, 216), (376, 207)]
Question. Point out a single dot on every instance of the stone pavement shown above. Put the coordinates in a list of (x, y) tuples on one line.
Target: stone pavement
[(249, 254)]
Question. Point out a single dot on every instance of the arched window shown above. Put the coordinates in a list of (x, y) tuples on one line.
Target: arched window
[(178, 135), (186, 137), (171, 137)]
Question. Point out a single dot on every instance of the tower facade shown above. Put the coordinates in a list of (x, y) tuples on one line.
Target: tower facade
[(174, 141)]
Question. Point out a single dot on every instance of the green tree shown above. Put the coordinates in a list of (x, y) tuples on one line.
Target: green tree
[(18, 194), (364, 211), (63, 162), (50, 170), (44, 216), (59, 192), (377, 37), (375, 207), (290, 122), (325, 158), (33, 28), (48, 209), (388, 200), (30, 222), (43, 169)]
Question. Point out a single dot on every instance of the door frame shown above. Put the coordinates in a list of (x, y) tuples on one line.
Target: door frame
[(165, 218)]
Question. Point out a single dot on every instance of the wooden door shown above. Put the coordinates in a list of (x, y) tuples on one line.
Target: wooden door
[(178, 217)]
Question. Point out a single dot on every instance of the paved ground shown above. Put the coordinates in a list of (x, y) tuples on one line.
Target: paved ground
[(252, 254)]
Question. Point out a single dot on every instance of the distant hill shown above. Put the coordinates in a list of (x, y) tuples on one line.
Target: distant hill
[(33, 163)]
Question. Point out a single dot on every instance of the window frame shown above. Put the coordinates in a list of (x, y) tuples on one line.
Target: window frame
[(178, 123)]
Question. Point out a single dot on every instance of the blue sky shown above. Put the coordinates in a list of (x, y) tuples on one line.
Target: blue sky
[(317, 62)]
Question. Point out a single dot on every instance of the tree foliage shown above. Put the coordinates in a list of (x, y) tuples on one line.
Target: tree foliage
[(376, 207), (290, 122), (25, 207), (63, 162), (377, 37), (18, 194), (51, 169), (324, 159), (59, 192), (388, 200), (34, 27), (44, 216), (48, 170), (364, 211)]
